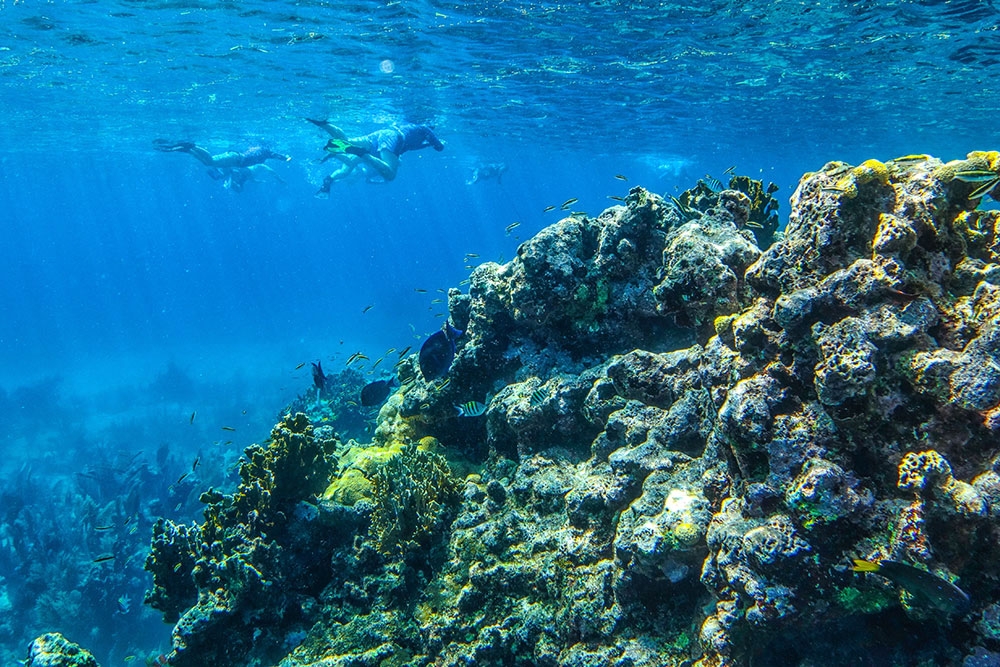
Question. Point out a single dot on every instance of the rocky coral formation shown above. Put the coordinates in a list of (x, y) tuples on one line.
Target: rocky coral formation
[(249, 573), (54, 650), (687, 440)]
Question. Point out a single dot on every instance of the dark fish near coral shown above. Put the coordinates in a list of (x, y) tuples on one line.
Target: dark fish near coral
[(437, 352), (319, 378), (548, 208), (923, 585), (374, 393), (471, 409), (569, 202), (511, 227), (103, 558)]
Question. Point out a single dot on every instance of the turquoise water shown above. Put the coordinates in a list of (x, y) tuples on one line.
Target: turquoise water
[(145, 306)]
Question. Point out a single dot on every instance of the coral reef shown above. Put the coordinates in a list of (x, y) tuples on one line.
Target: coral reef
[(250, 565), (687, 439), (54, 650)]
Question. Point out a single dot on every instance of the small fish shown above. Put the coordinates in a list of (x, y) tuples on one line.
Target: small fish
[(538, 397), (471, 255), (127, 519), (133, 529), (123, 607), (569, 202), (467, 281), (975, 176), (194, 466), (620, 177), (616, 198), (353, 404), (729, 170), (511, 227), (446, 291), (129, 658), (103, 558), (300, 365), (923, 585), (911, 158), (227, 442), (437, 300), (103, 527), (714, 183), (419, 290), (367, 308), (444, 383), (193, 415), (425, 406), (228, 428), (390, 350), (548, 208), (357, 356), (984, 188), (471, 409), (177, 567), (182, 478), (402, 353), (377, 362)]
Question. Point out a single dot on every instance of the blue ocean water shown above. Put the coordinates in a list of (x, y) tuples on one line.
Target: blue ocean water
[(145, 306)]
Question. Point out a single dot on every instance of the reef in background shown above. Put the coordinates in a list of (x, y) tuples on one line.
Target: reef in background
[(686, 442)]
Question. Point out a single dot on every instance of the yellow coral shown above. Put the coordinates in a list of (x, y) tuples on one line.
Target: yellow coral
[(687, 533), (871, 170), (348, 488), (991, 158)]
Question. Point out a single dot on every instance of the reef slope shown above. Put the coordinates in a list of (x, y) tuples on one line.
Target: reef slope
[(687, 439)]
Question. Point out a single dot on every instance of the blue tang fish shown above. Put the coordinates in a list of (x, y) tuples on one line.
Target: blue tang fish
[(437, 352)]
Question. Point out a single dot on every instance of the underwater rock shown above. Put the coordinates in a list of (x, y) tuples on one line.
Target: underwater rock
[(54, 650)]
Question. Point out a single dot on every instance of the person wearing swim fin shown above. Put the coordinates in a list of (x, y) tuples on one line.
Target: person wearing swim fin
[(379, 150), (236, 168)]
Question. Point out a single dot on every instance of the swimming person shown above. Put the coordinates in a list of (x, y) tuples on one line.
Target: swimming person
[(236, 168), (379, 150)]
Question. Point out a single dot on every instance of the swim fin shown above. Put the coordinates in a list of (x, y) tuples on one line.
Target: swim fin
[(337, 146), (169, 147)]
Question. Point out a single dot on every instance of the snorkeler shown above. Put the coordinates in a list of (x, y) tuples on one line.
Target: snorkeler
[(486, 172), (235, 168), (379, 150)]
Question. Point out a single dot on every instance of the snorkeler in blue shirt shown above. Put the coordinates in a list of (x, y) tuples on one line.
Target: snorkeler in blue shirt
[(379, 150), (236, 168)]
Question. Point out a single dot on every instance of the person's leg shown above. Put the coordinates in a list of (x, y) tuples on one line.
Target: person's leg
[(386, 164), (349, 163), (230, 159), (330, 129)]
